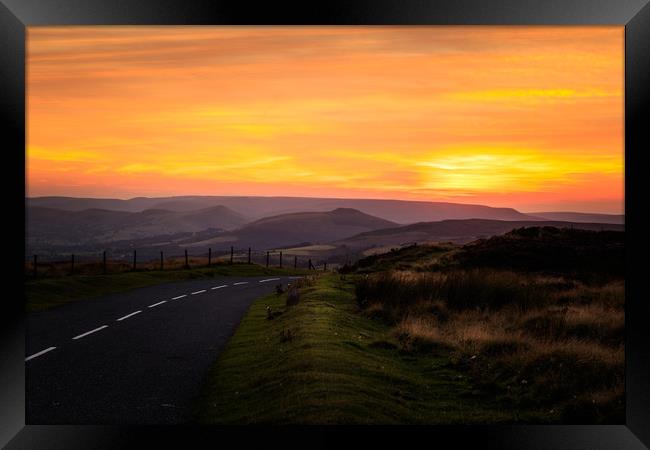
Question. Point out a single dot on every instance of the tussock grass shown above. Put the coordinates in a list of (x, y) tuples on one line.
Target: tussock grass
[(540, 342), (460, 290)]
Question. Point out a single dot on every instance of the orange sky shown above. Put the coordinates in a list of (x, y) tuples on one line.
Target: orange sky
[(527, 117)]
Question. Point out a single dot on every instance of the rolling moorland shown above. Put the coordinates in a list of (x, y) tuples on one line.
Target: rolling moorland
[(458, 320), (59, 226), (494, 331), (399, 211)]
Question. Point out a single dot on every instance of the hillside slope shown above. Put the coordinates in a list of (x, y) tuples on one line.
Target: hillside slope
[(599, 254), (459, 231), (99, 225), (581, 217), (301, 228)]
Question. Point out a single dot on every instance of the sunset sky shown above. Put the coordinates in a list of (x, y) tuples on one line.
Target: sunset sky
[(524, 117)]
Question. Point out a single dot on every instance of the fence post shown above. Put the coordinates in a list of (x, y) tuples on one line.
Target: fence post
[(310, 264), (249, 255), (325, 267), (209, 256), (187, 264), (232, 250), (134, 260), (162, 265), (35, 265), (280, 260), (267, 259), (104, 262), (295, 262)]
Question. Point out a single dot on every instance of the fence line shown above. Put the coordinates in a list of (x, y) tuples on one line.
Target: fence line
[(85, 264)]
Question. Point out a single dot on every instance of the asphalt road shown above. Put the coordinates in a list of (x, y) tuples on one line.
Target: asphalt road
[(133, 358)]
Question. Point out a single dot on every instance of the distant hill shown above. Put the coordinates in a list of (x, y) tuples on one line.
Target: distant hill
[(137, 204), (54, 226), (581, 217), (300, 228), (458, 231), (398, 211)]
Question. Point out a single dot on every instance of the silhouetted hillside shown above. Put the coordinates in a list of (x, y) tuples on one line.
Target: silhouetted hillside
[(301, 228), (548, 249), (459, 231), (581, 217)]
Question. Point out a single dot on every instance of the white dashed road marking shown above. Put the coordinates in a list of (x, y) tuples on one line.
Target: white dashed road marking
[(156, 304), (90, 332), (42, 352), (129, 315)]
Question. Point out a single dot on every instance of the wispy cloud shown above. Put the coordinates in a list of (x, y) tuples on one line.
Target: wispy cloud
[(497, 115)]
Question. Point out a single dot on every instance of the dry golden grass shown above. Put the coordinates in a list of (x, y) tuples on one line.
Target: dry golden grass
[(562, 347)]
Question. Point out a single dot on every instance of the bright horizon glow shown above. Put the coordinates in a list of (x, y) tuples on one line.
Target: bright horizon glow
[(523, 117)]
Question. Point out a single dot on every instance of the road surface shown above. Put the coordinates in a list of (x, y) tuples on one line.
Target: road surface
[(133, 358)]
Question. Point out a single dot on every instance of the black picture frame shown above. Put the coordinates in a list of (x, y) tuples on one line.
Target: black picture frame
[(15, 15)]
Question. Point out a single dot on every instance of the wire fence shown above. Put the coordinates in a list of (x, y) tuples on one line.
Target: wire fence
[(108, 262)]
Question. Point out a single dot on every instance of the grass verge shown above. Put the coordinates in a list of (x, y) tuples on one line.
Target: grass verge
[(46, 293), (322, 361)]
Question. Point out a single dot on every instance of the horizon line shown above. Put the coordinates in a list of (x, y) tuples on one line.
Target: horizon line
[(332, 198)]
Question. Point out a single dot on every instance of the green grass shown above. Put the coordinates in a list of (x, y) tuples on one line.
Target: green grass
[(46, 293), (339, 367)]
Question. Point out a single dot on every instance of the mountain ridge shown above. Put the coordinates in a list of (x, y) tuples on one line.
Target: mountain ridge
[(300, 228), (257, 207)]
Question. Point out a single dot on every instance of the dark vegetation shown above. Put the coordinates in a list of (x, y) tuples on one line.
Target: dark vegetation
[(561, 251), (534, 317)]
